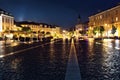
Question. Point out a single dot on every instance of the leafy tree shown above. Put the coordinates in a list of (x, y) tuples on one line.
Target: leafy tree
[(113, 29), (82, 32), (95, 30), (101, 29), (26, 29)]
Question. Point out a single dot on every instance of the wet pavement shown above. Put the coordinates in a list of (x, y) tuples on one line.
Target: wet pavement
[(97, 60), (73, 70)]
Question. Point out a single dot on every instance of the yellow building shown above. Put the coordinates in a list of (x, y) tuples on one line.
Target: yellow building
[(107, 19), (41, 27)]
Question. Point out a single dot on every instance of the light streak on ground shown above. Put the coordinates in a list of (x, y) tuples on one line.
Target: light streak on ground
[(23, 50), (117, 48), (15, 43), (73, 71)]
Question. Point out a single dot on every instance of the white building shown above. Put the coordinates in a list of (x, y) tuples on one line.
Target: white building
[(6, 21)]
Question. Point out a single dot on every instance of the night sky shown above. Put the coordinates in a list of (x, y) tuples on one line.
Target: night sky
[(60, 12)]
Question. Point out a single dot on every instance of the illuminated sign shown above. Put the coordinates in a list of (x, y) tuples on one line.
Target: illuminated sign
[(0, 23)]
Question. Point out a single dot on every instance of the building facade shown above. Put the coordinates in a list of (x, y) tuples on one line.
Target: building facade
[(6, 21), (6, 24), (41, 27), (107, 19), (81, 28)]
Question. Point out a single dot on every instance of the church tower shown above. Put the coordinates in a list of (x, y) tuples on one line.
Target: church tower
[(79, 20), (79, 27)]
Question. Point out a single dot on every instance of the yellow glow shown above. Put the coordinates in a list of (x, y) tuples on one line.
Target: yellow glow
[(106, 40), (1, 56), (116, 33), (91, 39), (0, 24), (64, 31), (117, 42), (116, 18), (11, 53), (14, 44), (106, 24)]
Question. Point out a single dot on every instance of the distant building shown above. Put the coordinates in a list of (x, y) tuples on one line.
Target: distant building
[(6, 21), (107, 19), (41, 27), (79, 25), (17, 27), (81, 28)]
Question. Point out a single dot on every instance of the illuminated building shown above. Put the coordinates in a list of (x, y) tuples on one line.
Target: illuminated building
[(81, 28), (107, 19), (6, 21), (41, 27)]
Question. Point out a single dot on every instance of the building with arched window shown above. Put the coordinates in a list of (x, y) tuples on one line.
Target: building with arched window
[(107, 19), (6, 23), (42, 28)]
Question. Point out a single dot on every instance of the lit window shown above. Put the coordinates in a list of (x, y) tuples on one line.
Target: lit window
[(100, 16), (116, 18), (45, 26)]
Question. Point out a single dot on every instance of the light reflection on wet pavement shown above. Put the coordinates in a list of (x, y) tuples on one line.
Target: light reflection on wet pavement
[(98, 60)]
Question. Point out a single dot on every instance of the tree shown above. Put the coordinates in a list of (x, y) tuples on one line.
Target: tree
[(95, 30), (113, 29), (82, 32), (101, 29), (26, 29)]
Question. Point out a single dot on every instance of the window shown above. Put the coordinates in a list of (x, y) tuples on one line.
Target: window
[(100, 16), (116, 18), (116, 12), (45, 26)]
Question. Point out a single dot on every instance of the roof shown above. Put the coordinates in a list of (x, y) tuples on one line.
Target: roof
[(34, 23), (5, 12), (27, 22), (109, 9)]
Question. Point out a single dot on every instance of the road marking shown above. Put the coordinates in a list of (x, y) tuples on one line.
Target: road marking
[(73, 71), (19, 51)]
